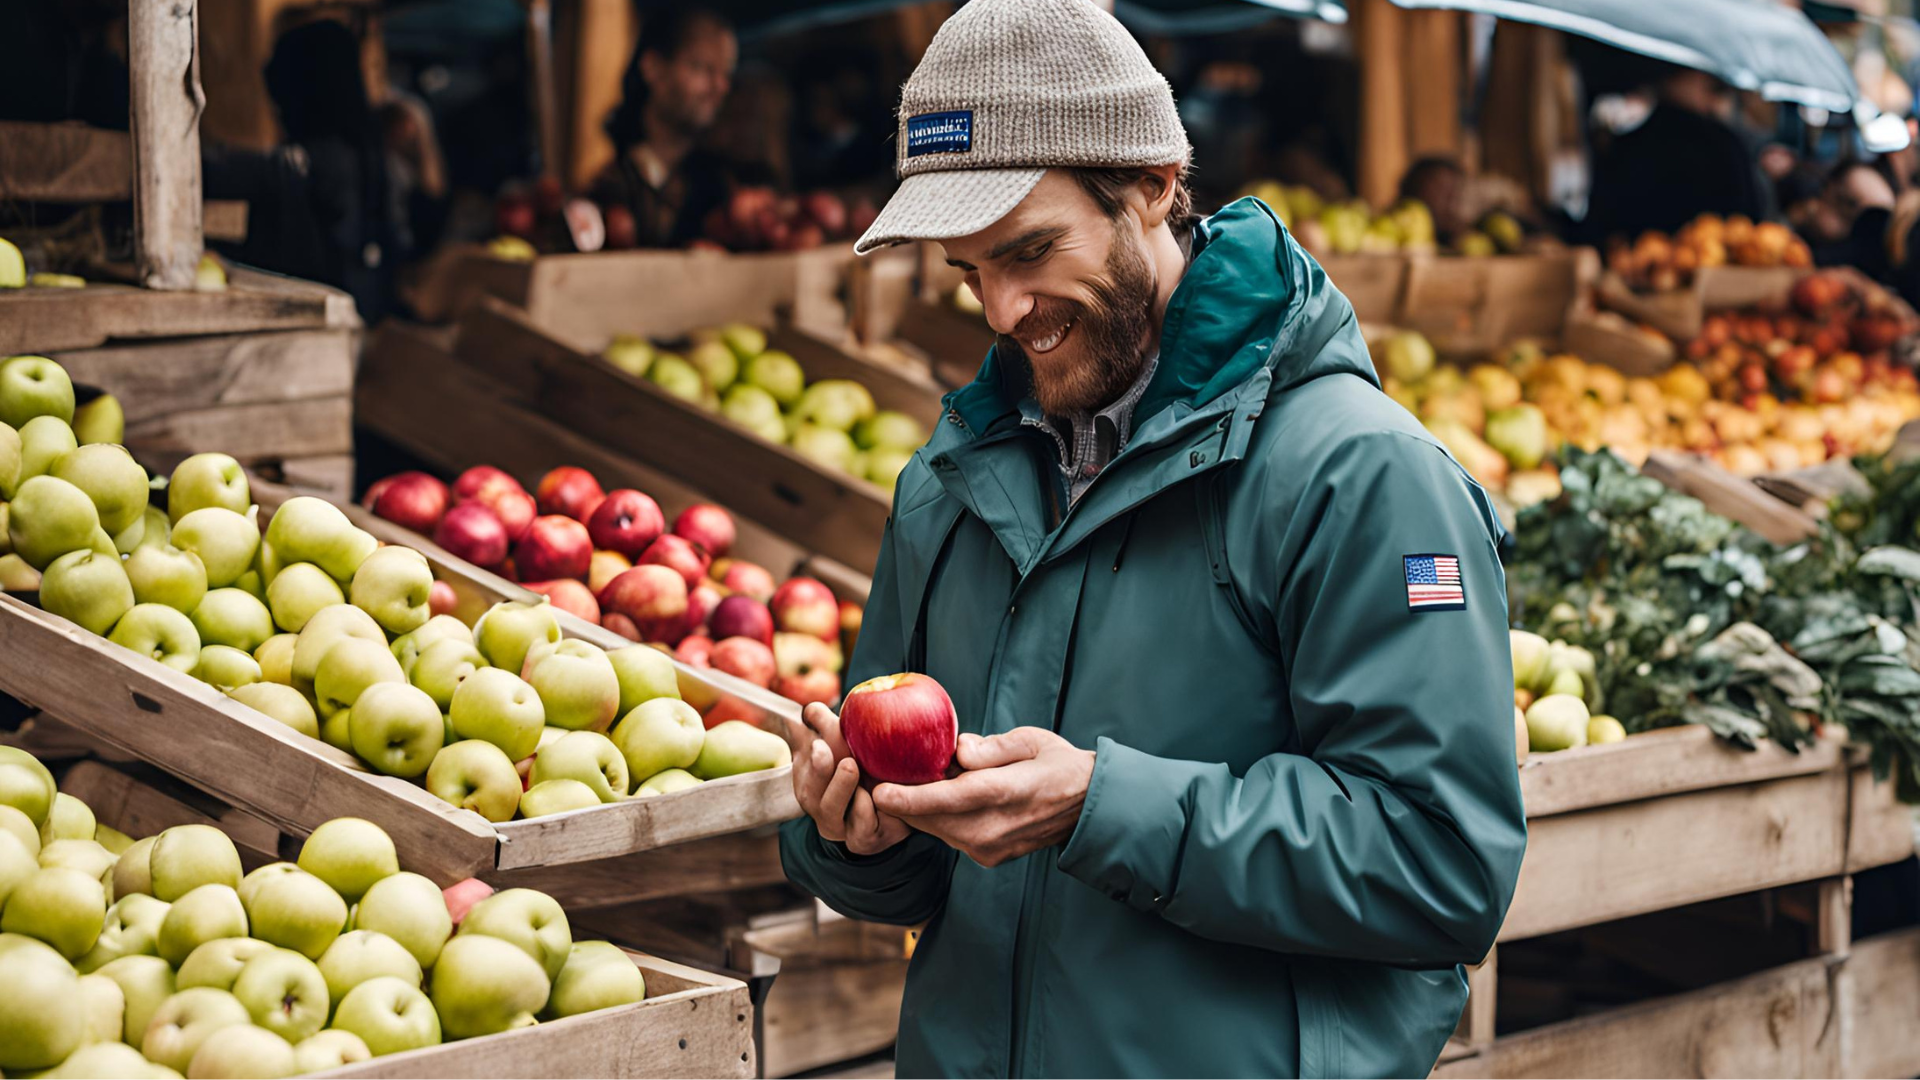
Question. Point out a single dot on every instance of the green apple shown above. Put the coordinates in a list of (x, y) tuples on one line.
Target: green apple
[(258, 877), (645, 673), (442, 667), (325, 630), (163, 574), (127, 540), (9, 461), (529, 919), (556, 796), (251, 584), (276, 658), (586, 756), (298, 592), (39, 1023), (778, 374), (89, 588), (485, 985), (756, 410), (889, 429), (218, 962), (242, 1052), (389, 1015), (284, 992), (225, 541), (112, 839), (306, 529), (666, 782), (103, 1008), (147, 982), (392, 585), (283, 703), (17, 864), (186, 857), (184, 1021), (578, 687), (350, 854), (736, 747), (359, 955), (746, 340), (49, 517), (159, 633), (207, 480), (716, 362), (674, 375), (409, 909), (131, 929), (132, 872), (664, 733), (63, 907), (86, 856), (510, 628), (208, 913), (597, 975), (111, 478), (33, 386), (885, 463), (835, 403), (69, 819), (396, 728), (329, 1049), (156, 530), (347, 669), (408, 647), (26, 785), (226, 668), (43, 441), (15, 574), (105, 1061), (829, 448), (499, 707), (101, 420), (296, 911), (476, 775), (17, 824), (337, 730)]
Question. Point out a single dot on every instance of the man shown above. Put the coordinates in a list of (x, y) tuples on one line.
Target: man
[(1441, 185), (1684, 160), (1224, 627), (681, 73)]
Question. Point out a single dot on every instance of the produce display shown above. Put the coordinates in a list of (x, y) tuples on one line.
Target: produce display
[(154, 956), (1352, 227), (1555, 692), (730, 371), (753, 218), (316, 624), (1656, 262), (611, 558)]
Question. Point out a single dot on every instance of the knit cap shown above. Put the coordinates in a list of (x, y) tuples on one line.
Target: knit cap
[(1007, 89)]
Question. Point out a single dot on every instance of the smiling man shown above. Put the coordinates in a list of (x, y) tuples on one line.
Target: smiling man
[(1225, 628)]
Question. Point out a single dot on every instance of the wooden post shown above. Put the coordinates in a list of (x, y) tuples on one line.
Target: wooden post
[(167, 101), (546, 111), (1379, 30)]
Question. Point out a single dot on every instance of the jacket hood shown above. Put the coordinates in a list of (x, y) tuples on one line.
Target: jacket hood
[(1251, 299)]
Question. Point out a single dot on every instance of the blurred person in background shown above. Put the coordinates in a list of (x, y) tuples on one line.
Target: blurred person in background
[(1685, 160), (681, 73), (65, 61), (1441, 184)]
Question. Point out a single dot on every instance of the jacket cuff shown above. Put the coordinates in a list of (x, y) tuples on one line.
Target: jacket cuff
[(1132, 826)]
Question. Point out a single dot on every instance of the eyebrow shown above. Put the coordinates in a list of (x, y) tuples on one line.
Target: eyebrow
[(1031, 236)]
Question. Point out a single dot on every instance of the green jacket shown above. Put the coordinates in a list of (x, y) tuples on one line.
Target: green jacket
[(1304, 814)]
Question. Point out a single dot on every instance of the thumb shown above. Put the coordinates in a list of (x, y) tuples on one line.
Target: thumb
[(994, 751)]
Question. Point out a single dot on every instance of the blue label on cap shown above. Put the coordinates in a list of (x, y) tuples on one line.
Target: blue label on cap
[(940, 133)]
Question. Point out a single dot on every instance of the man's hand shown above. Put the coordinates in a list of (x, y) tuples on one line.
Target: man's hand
[(827, 784), (1021, 792)]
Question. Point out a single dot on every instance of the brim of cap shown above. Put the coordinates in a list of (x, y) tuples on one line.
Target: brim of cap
[(953, 202)]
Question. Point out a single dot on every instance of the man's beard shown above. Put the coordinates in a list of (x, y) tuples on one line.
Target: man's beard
[(1111, 330)]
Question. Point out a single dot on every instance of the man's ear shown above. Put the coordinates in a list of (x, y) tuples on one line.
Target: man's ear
[(1155, 194)]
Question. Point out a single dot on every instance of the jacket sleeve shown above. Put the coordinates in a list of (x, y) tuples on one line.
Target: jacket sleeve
[(1395, 834), (906, 883)]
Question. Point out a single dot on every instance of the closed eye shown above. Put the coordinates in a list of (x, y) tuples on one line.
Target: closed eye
[(1035, 253)]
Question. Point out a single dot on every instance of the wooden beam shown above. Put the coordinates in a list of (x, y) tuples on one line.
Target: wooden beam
[(1379, 31), (163, 66)]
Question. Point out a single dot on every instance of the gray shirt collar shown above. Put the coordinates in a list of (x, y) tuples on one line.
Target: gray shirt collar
[(1086, 442)]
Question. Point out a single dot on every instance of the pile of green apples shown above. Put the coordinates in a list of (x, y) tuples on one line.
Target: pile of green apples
[(1555, 693), (156, 957), (316, 624), (730, 370)]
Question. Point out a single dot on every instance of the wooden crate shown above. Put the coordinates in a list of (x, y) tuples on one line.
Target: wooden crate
[(1680, 314), (953, 342), (1374, 284), (1730, 496), (837, 993), (1478, 306)]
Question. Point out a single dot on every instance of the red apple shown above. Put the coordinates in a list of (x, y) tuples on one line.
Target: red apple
[(826, 210), (554, 547), (743, 577), (742, 616), (514, 216), (646, 594), (472, 532), (462, 895), (809, 668), (570, 596), (901, 728), (514, 508), (412, 500), (604, 567), (622, 232), (695, 650), (816, 685), (702, 599), (850, 616), (469, 484), (728, 708), (620, 624), (626, 521), (569, 491), (679, 554), (805, 606), (441, 599), (707, 525), (373, 493), (745, 658)]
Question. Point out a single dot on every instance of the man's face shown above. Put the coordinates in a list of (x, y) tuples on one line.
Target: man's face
[(1068, 287), (690, 86)]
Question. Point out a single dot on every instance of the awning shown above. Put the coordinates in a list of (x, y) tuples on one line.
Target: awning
[(1181, 17), (1755, 45)]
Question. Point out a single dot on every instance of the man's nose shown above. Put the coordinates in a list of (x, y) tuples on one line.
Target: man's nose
[(1005, 303)]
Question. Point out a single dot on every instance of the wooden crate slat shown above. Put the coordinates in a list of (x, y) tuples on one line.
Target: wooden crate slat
[(956, 343), (1655, 763), (140, 809), (39, 320), (725, 806), (1730, 496), (1880, 827), (156, 378), (718, 864), (1880, 998), (256, 431)]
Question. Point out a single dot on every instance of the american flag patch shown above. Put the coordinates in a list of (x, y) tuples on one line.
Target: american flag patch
[(1433, 583)]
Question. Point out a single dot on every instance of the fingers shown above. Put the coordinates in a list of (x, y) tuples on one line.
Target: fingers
[(797, 734), (826, 724), (963, 794), (839, 793), (974, 752)]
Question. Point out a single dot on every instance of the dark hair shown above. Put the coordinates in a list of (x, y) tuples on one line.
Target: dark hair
[(1418, 172), (664, 31), (1108, 186)]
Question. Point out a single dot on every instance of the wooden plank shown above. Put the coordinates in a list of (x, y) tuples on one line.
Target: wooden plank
[(712, 809), (66, 163), (1775, 1023), (331, 475), (1655, 763), (719, 864), (164, 83), (692, 1024), (1880, 828), (142, 807), (837, 994), (157, 378), (1881, 996), (1476, 306), (955, 342), (1627, 859), (1482, 993), (256, 431), (1730, 496), (40, 320)]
